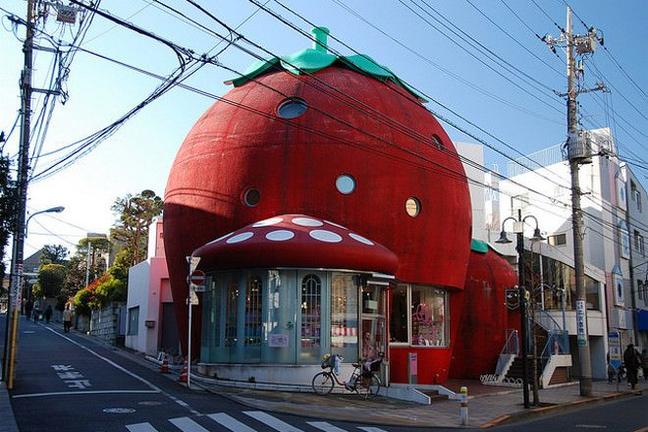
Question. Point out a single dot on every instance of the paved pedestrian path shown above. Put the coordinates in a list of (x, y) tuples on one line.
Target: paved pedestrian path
[(486, 409)]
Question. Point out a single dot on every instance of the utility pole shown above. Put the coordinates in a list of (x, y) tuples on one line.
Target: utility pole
[(23, 173), (579, 152)]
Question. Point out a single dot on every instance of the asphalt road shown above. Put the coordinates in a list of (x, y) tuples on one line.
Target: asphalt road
[(68, 382)]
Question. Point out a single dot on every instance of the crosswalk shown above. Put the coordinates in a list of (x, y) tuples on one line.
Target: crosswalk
[(226, 423)]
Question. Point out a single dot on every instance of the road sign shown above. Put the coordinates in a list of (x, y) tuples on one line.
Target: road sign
[(197, 280)]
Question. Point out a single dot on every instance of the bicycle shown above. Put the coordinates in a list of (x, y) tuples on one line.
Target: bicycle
[(363, 380)]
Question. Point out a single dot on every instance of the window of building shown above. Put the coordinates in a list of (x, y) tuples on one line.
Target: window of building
[(557, 239), (617, 280), (624, 235), (428, 316), (311, 319), (133, 321), (436, 141), (345, 184), (413, 206), (344, 316), (640, 289), (292, 108), (419, 316), (639, 243), (251, 197)]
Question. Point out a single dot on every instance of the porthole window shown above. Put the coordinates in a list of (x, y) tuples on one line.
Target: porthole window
[(345, 184), (436, 141), (251, 197), (412, 206), (292, 108)]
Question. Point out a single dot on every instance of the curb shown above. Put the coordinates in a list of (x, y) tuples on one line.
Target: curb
[(534, 412)]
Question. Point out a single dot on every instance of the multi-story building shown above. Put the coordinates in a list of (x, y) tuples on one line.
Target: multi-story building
[(637, 200), (611, 220)]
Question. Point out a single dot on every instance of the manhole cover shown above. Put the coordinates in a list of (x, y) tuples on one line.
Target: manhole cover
[(29, 331), (118, 410), (150, 403)]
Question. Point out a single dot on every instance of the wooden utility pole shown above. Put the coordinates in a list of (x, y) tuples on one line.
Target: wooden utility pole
[(23, 173)]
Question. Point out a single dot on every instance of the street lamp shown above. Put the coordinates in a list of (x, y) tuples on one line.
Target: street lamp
[(11, 327), (518, 229)]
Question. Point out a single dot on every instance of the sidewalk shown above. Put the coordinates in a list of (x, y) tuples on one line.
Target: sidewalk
[(486, 410)]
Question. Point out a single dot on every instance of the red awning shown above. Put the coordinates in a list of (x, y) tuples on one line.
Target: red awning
[(296, 240)]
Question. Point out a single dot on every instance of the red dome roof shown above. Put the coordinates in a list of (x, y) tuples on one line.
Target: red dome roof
[(296, 240)]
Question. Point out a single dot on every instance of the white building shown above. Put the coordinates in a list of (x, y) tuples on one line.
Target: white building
[(638, 225), (545, 193)]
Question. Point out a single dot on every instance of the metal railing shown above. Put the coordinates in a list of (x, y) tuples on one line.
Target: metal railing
[(512, 344)]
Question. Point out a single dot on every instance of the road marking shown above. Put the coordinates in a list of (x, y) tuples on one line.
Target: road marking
[(230, 423), (326, 427), (185, 424), (141, 427), (371, 429), (271, 421), (126, 371), (29, 395)]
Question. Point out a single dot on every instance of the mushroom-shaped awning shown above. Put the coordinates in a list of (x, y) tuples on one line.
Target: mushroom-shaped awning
[(296, 240)]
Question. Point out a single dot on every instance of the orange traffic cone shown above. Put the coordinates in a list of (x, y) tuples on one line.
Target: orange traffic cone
[(164, 367), (183, 374)]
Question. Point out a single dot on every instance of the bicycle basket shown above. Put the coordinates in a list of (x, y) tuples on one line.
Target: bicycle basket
[(371, 366), (328, 361)]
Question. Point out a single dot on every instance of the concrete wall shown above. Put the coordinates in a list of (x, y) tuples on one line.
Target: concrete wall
[(104, 323), (138, 295)]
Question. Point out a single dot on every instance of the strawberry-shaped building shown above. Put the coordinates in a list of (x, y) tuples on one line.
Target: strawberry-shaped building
[(331, 214)]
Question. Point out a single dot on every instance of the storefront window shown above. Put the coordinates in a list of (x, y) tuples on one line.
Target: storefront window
[(428, 316), (344, 316), (231, 314), (398, 315), (252, 339)]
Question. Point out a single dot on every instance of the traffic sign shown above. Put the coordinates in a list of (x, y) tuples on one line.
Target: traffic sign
[(193, 262), (197, 280)]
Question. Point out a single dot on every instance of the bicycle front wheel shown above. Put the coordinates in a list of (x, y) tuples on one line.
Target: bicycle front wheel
[(368, 387), (322, 383)]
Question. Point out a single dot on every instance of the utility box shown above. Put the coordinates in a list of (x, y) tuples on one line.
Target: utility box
[(149, 324), (580, 147)]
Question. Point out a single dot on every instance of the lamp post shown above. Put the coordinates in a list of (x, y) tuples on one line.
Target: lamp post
[(11, 326), (518, 229)]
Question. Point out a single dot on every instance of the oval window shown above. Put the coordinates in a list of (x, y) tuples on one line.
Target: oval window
[(412, 206), (251, 197), (345, 184), (292, 108), (436, 141)]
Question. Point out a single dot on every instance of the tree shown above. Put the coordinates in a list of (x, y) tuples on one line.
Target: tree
[(51, 279), (135, 215), (8, 203), (54, 254)]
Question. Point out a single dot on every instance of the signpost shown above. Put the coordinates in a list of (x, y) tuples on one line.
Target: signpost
[(581, 324), (195, 279)]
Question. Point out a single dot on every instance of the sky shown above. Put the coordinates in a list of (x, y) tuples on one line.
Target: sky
[(521, 111)]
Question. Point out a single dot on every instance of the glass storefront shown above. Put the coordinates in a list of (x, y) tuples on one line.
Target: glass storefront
[(291, 317), (557, 276), (419, 316)]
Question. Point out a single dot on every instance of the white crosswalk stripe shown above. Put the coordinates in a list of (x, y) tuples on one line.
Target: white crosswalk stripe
[(326, 427), (271, 421), (185, 424), (230, 422), (141, 427)]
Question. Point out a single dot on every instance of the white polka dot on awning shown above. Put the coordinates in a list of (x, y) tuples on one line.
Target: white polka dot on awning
[(361, 239), (325, 236), (307, 222), (268, 222), (238, 238), (280, 235)]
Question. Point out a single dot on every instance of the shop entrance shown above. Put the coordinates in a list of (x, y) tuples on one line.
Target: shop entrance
[(373, 342)]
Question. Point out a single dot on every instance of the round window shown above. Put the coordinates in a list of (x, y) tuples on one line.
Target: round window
[(251, 197), (292, 108), (436, 141), (413, 206), (345, 184)]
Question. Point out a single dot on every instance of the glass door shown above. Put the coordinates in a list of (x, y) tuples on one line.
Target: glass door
[(373, 342)]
